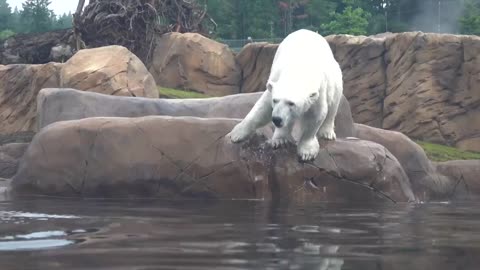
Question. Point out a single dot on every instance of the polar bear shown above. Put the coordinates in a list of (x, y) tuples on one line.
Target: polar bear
[(305, 84)]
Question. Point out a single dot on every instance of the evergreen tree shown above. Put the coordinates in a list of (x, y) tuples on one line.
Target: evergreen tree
[(36, 16), (470, 22), (5, 15)]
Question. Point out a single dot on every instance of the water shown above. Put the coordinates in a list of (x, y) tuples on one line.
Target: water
[(86, 234)]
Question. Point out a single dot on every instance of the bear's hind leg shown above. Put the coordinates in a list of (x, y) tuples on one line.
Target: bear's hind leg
[(308, 146), (259, 116), (282, 136)]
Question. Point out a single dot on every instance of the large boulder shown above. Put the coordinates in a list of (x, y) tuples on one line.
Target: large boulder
[(421, 84), (68, 104), (255, 60), (427, 184), (111, 70), (10, 155), (19, 86), (192, 61), (188, 157), (464, 175)]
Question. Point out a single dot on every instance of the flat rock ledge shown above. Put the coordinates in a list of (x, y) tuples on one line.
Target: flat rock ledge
[(190, 158)]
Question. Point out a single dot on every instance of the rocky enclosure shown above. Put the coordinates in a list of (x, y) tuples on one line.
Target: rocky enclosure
[(423, 85), (74, 142)]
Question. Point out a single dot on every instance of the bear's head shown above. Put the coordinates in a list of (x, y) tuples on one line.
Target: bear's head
[(290, 102)]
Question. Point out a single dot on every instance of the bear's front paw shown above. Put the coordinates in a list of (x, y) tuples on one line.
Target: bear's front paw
[(280, 142), (308, 150), (239, 133), (327, 134)]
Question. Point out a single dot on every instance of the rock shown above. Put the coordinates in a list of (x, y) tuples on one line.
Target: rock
[(432, 88), (188, 157), (255, 60), (19, 86), (68, 104), (32, 48), (464, 176), (192, 61), (10, 155), (426, 183), (61, 53), (111, 70), (423, 85), (364, 75)]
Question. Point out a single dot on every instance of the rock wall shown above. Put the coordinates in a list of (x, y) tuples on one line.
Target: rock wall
[(423, 85)]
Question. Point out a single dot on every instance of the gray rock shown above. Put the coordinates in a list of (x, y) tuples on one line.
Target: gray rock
[(68, 104)]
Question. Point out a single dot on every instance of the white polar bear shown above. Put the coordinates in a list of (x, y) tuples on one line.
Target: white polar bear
[(305, 83)]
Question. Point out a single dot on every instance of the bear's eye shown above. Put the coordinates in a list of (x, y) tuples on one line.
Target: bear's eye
[(291, 104), (313, 95), (275, 101)]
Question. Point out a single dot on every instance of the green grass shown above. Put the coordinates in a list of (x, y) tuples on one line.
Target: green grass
[(437, 152), (176, 93)]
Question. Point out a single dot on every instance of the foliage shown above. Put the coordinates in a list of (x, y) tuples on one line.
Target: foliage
[(6, 34), (264, 19), (350, 21), (35, 16), (175, 93), (437, 152), (5, 15), (470, 22)]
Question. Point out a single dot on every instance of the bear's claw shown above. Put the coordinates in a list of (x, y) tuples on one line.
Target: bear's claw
[(280, 142), (327, 134), (308, 150), (238, 134)]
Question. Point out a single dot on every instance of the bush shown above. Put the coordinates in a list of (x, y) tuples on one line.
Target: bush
[(6, 34)]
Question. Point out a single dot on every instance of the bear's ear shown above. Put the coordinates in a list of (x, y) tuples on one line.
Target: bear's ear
[(270, 86)]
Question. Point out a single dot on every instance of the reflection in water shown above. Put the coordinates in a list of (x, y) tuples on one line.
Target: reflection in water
[(53, 234)]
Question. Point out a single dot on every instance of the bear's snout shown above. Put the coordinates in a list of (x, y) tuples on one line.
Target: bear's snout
[(277, 121)]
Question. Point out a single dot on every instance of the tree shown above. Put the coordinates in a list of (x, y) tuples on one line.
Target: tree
[(470, 21), (350, 21), (64, 21), (5, 15), (36, 16)]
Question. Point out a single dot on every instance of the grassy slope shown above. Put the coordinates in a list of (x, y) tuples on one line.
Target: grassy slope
[(437, 152), (175, 93)]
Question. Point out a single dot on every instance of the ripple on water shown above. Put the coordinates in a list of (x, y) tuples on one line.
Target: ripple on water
[(34, 240)]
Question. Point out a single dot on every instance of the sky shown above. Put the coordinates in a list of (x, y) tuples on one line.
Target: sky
[(58, 6)]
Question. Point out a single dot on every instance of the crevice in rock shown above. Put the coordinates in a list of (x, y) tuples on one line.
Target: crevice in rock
[(89, 154), (385, 83), (189, 164)]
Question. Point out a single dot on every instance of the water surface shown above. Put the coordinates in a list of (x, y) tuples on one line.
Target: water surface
[(94, 234)]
